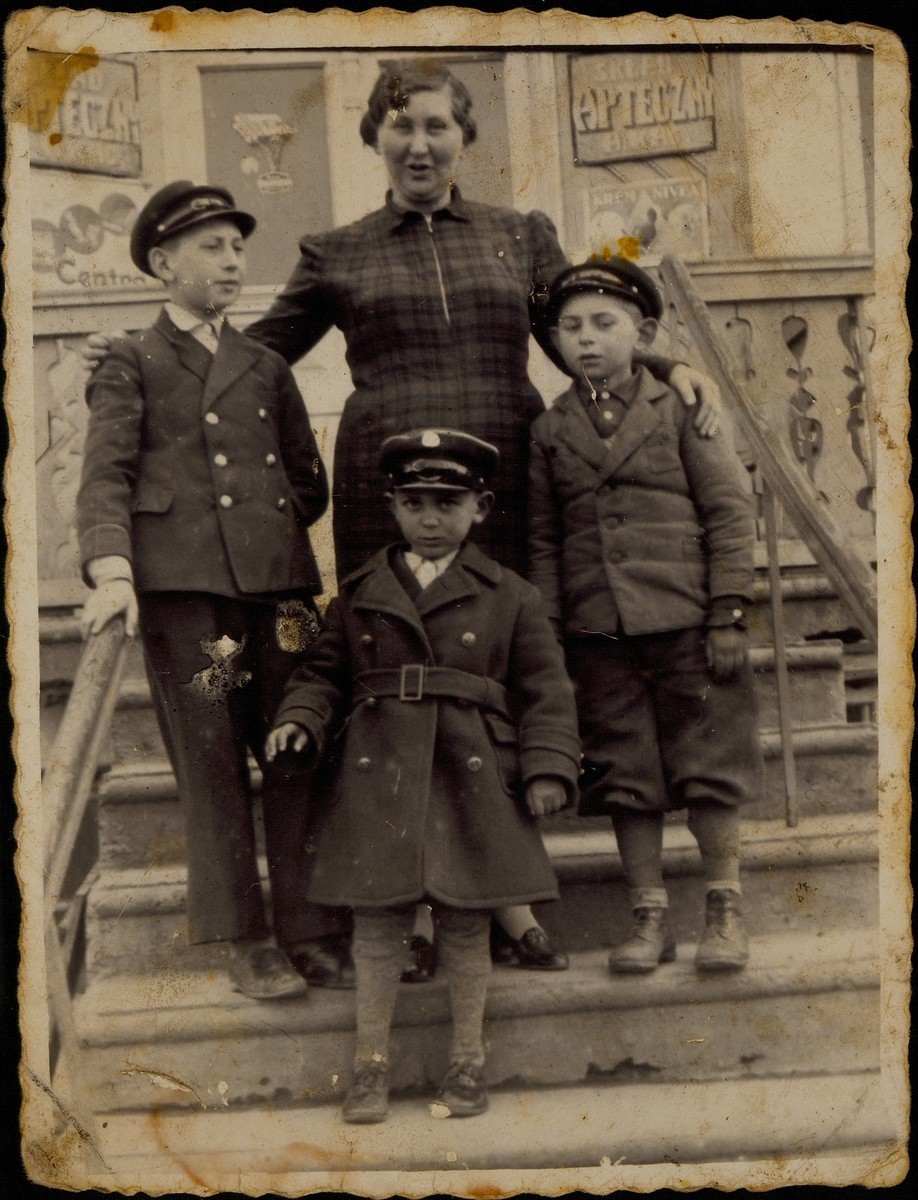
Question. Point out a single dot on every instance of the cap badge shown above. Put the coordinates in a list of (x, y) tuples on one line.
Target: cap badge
[(430, 438), (206, 202)]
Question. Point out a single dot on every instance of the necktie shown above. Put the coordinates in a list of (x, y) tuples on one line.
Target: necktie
[(206, 335)]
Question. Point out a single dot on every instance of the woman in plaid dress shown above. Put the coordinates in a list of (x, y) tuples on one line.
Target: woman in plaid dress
[(435, 296)]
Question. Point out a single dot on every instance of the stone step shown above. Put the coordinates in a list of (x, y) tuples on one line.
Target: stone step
[(141, 823), (806, 1003), (817, 687), (823, 874), (616, 1137)]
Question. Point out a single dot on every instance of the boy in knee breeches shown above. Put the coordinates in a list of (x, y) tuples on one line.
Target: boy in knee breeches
[(200, 480), (640, 541), (460, 728)]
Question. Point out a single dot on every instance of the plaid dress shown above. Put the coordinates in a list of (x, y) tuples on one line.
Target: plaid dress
[(437, 323)]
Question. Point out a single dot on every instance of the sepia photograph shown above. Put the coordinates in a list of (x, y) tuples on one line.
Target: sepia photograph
[(459, 588)]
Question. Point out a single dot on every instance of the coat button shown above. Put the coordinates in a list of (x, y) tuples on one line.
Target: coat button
[(270, 459), (263, 414), (373, 702), (468, 638), (282, 503), (221, 460), (363, 765), (474, 763), (366, 639), (211, 418), (226, 501)]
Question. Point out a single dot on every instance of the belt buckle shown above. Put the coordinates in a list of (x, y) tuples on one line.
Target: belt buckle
[(411, 682)]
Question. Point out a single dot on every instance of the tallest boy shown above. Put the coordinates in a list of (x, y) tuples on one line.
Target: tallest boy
[(201, 477)]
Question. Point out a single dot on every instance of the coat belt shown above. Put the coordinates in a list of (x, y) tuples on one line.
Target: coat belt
[(416, 681)]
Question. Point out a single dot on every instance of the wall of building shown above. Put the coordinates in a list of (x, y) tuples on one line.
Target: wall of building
[(650, 152)]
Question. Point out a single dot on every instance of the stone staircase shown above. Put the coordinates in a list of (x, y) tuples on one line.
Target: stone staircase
[(164, 1029)]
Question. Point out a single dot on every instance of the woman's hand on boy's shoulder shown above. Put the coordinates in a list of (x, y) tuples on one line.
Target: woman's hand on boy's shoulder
[(286, 736), (545, 795), (97, 346), (697, 390)]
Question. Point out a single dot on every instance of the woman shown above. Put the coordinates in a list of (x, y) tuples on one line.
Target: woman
[(436, 297)]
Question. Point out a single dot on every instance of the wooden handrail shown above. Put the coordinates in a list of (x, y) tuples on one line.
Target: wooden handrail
[(74, 756), (66, 789), (852, 578)]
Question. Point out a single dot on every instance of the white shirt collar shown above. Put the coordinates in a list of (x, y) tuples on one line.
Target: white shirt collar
[(187, 321), (426, 570)]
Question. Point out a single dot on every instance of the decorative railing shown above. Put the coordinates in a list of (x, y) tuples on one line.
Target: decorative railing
[(852, 577), (784, 482)]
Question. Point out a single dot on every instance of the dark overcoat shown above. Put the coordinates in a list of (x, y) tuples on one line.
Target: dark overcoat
[(638, 533), (202, 470), (428, 798)]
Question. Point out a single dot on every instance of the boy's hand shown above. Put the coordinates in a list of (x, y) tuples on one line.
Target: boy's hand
[(112, 599), (545, 796), (727, 649), (96, 346), (693, 387), (288, 736)]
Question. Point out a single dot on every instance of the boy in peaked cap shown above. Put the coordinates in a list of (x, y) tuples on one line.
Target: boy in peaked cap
[(460, 727), (640, 541), (201, 477)]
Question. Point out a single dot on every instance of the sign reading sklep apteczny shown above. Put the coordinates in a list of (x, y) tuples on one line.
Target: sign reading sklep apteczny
[(640, 106)]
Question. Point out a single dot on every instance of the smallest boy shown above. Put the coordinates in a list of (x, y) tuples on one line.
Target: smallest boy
[(640, 541), (200, 480), (459, 729)]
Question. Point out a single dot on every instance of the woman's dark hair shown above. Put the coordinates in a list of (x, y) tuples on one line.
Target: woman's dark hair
[(398, 80)]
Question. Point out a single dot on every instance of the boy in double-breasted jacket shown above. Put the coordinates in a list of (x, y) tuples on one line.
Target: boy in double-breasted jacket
[(200, 479), (444, 683), (640, 541)]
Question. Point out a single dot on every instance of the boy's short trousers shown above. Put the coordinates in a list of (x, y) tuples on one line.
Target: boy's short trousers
[(658, 731)]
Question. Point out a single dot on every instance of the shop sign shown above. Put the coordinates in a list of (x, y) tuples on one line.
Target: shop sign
[(92, 126), (643, 221), (627, 106), (80, 236)]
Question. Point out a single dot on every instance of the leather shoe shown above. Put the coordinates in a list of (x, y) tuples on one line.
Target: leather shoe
[(324, 967), (422, 960), (650, 943), (724, 945), (264, 973), (463, 1092), (367, 1100), (534, 952)]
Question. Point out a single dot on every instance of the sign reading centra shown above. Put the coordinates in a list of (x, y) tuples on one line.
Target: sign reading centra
[(626, 105)]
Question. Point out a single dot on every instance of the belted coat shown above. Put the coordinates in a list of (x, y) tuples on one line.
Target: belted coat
[(427, 798), (201, 469)]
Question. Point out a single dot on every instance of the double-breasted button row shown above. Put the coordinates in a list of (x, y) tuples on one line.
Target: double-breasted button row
[(365, 764), (220, 460)]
